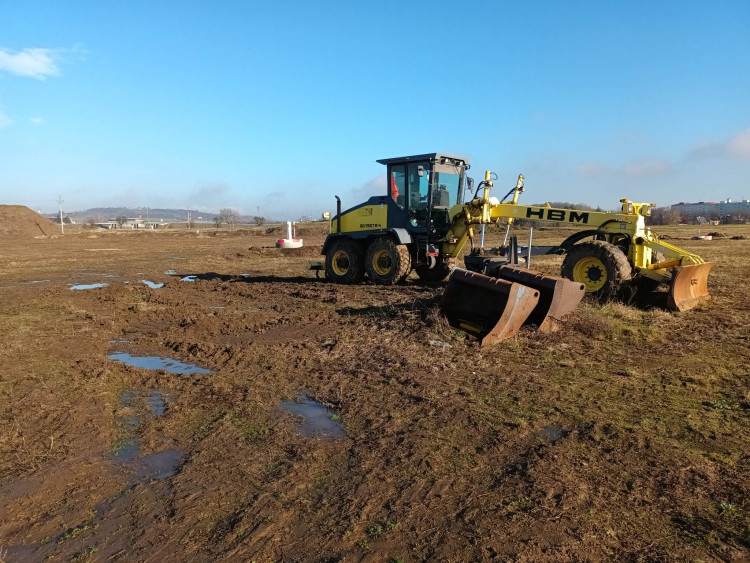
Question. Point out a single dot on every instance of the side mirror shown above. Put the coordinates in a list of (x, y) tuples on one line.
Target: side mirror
[(420, 171), (470, 183)]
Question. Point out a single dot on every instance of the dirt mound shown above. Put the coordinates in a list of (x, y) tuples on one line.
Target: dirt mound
[(20, 221), (717, 234)]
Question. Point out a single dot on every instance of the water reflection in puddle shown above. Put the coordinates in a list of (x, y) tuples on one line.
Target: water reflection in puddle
[(152, 285), (155, 400), (159, 465), (553, 433), (126, 450), (155, 362), (189, 278), (82, 286), (317, 419)]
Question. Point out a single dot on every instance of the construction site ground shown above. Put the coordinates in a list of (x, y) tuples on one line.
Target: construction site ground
[(622, 437)]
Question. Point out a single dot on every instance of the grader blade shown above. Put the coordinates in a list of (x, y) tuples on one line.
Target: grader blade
[(558, 297), (489, 308), (689, 287)]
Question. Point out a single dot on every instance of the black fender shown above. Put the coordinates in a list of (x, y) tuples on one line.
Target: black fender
[(401, 236)]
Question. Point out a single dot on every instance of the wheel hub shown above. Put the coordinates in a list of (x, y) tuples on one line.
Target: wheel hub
[(592, 272), (340, 263), (382, 263)]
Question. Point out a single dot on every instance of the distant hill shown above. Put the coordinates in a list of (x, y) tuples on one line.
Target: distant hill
[(169, 215)]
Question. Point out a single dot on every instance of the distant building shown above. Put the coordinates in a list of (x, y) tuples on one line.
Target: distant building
[(711, 209), (133, 223)]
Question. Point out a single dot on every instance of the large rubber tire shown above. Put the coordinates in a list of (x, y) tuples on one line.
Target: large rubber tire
[(386, 262), (602, 267), (345, 262), (435, 275)]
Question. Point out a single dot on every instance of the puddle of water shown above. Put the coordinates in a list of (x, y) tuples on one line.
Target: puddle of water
[(82, 286), (152, 285), (125, 449), (159, 465), (553, 433), (189, 278), (171, 272), (317, 419), (156, 402), (155, 362)]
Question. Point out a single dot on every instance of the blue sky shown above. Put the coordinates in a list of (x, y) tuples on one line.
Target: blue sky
[(281, 105)]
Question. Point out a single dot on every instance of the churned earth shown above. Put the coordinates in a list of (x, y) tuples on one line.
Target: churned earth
[(245, 410)]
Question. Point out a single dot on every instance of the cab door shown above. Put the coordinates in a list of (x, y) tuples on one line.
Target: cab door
[(418, 176)]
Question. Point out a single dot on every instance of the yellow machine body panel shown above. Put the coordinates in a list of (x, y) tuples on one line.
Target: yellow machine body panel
[(365, 218)]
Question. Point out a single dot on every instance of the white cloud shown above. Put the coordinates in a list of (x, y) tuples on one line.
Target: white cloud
[(646, 168), (739, 145), (593, 169), (374, 186), (639, 168), (34, 63), (210, 190), (5, 121)]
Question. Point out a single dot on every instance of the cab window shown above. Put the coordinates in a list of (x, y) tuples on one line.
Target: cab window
[(397, 185), (419, 192)]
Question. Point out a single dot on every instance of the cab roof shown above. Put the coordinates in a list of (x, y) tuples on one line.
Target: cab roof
[(432, 157)]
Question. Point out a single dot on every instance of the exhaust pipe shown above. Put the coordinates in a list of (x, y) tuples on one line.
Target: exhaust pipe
[(338, 214)]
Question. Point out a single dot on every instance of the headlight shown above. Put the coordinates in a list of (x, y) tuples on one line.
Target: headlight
[(630, 207)]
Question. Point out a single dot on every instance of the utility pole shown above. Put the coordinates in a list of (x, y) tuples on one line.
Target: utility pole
[(60, 202)]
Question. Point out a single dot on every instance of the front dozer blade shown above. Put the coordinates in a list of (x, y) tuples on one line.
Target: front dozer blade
[(689, 287), (489, 308), (558, 297)]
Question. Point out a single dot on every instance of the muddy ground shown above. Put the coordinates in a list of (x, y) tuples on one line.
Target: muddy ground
[(623, 437)]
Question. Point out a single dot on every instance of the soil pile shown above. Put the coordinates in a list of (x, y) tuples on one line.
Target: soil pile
[(20, 221)]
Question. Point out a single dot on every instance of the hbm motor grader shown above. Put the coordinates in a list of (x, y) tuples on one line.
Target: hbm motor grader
[(422, 223)]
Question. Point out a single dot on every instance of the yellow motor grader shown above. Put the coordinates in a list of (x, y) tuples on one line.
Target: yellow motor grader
[(423, 223)]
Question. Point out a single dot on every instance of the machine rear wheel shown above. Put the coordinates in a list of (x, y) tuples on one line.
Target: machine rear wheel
[(345, 262), (387, 262), (602, 267)]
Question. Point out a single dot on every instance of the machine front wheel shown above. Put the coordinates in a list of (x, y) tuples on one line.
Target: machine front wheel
[(345, 262), (437, 274), (387, 263), (601, 267)]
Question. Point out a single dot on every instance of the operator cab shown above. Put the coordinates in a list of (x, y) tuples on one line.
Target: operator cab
[(425, 187)]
